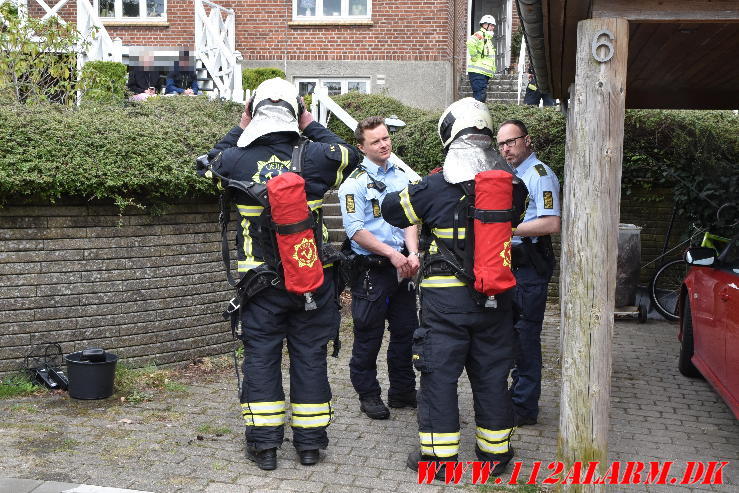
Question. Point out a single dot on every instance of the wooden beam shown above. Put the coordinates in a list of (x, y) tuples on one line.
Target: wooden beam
[(668, 10), (592, 192)]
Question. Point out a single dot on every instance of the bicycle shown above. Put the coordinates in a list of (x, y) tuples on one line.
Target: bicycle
[(664, 288)]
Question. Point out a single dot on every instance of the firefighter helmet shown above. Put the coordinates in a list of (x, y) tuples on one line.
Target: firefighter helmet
[(465, 116), (487, 19), (275, 107)]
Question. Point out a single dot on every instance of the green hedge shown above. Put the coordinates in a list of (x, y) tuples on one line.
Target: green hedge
[(138, 154), (104, 81), (252, 77), (143, 153)]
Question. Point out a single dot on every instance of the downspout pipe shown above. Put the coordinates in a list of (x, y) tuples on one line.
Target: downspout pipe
[(532, 20)]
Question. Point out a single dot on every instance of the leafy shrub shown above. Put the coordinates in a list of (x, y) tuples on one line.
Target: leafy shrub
[(252, 77), (137, 154), (104, 81)]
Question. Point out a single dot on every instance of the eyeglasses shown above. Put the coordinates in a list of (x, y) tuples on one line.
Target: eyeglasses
[(509, 142)]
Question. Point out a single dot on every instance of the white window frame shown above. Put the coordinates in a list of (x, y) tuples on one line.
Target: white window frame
[(320, 82), (344, 15), (118, 12)]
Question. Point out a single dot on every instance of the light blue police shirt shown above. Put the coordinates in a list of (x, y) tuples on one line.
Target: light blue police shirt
[(361, 201), (543, 187)]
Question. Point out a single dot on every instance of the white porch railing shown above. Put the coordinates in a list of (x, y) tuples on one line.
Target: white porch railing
[(521, 68), (322, 104), (215, 44)]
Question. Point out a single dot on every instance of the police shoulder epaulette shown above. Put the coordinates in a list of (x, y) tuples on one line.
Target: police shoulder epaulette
[(541, 169), (356, 173)]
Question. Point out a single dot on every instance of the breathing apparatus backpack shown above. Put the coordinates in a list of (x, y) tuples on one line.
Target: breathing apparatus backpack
[(485, 261)]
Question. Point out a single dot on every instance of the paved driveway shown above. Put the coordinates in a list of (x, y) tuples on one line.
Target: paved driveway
[(193, 441)]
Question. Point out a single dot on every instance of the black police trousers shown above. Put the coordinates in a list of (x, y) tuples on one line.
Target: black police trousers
[(456, 334), (270, 317), (378, 296)]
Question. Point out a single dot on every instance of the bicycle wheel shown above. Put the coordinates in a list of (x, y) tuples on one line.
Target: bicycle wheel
[(664, 288)]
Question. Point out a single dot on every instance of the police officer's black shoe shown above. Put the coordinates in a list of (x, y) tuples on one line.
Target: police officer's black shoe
[(372, 406), (415, 457), (309, 457), (265, 459), (405, 399)]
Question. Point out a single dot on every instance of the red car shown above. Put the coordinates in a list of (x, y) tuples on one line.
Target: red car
[(709, 320)]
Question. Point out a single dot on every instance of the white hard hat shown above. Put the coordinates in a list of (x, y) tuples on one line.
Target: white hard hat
[(487, 19), (272, 91), (275, 108), (466, 114)]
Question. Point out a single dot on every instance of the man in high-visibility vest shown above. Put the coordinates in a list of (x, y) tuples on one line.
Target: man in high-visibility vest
[(481, 66)]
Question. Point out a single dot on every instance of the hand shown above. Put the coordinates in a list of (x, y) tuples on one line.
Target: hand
[(414, 264), (245, 116), (150, 91), (188, 92), (400, 262), (305, 119)]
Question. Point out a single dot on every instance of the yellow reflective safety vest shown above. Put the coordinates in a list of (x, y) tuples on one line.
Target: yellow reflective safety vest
[(481, 48)]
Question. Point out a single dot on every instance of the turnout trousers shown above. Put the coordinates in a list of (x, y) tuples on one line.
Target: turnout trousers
[(529, 303), (270, 317), (378, 296), (456, 334)]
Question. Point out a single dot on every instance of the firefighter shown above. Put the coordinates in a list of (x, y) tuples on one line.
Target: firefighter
[(259, 149), (385, 259), (481, 63), (457, 330)]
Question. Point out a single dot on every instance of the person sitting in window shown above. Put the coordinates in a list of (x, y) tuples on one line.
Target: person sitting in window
[(182, 80), (144, 81)]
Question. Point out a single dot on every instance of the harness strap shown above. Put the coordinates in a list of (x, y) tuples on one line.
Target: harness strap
[(288, 229), (493, 216)]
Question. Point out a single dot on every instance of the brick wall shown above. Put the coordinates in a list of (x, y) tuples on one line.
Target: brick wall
[(148, 288)]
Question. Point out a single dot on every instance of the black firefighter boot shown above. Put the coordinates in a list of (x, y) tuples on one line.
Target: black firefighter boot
[(372, 406), (415, 457), (265, 459)]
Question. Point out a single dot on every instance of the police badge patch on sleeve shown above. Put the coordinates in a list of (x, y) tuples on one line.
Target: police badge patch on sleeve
[(548, 200), (350, 203)]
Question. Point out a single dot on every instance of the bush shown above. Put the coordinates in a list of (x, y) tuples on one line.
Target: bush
[(104, 81), (138, 154), (252, 77)]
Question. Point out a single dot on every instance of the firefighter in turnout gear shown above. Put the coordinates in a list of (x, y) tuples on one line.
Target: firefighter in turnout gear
[(262, 148), (481, 63), (459, 328)]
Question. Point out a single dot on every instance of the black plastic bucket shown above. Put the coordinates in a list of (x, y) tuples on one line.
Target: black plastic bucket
[(91, 374)]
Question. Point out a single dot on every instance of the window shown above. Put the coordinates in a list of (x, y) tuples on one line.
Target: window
[(335, 86), (154, 10), (331, 9)]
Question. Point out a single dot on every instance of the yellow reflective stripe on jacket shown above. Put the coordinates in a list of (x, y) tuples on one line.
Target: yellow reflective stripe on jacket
[(439, 444), (249, 210), (493, 441), (315, 204), (249, 262), (312, 415), (405, 202), (448, 233), (264, 413), (342, 166), (441, 282)]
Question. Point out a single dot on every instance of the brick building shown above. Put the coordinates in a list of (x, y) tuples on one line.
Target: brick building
[(414, 49)]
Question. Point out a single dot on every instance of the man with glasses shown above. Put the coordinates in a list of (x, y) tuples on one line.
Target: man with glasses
[(533, 262)]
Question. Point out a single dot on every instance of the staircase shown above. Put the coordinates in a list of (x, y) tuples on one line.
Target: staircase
[(501, 88), (332, 217)]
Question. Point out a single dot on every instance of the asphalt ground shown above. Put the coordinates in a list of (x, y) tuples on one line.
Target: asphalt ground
[(190, 438)]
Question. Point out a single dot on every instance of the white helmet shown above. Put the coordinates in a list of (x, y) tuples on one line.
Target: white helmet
[(487, 19), (275, 107), (466, 114)]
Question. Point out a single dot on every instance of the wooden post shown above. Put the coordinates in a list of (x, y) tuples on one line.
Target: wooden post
[(595, 125)]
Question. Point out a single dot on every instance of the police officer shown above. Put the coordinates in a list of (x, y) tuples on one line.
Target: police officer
[(384, 259), (260, 148), (533, 262), (481, 65), (457, 331)]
